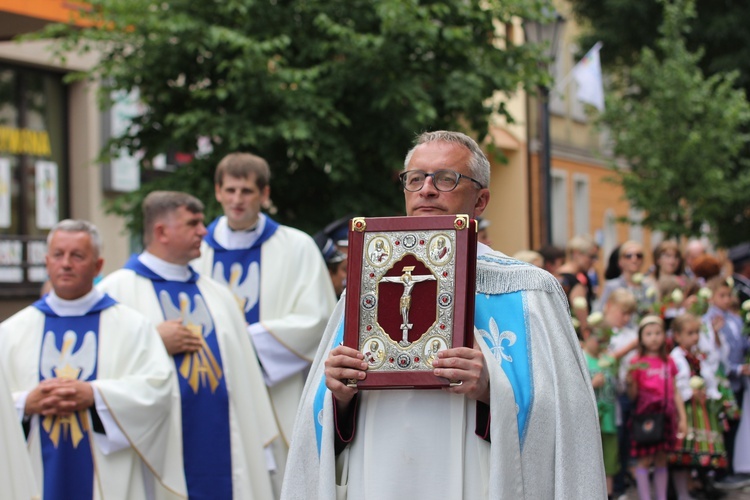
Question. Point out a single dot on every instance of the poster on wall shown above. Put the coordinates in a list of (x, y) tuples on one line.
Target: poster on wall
[(36, 251), (4, 192), (46, 194), (11, 253)]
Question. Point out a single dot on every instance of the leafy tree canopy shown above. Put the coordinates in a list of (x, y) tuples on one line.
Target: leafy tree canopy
[(330, 92), (681, 135)]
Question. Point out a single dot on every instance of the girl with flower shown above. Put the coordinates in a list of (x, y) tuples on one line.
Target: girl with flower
[(603, 369), (651, 384), (741, 457), (623, 345), (725, 335), (702, 447)]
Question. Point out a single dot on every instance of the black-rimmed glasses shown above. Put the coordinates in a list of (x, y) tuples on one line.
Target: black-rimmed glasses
[(443, 180)]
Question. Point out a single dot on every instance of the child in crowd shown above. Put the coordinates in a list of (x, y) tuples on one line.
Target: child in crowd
[(702, 447), (617, 312), (670, 298), (651, 384), (725, 334), (603, 368)]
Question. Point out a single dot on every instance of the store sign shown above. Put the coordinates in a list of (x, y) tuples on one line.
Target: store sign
[(24, 142), (5, 193)]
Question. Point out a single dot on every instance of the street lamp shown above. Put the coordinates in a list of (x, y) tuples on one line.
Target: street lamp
[(545, 33)]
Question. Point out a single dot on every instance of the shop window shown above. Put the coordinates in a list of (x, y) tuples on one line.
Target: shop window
[(33, 174)]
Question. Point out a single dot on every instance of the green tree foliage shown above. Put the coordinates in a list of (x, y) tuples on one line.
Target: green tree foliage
[(330, 92), (625, 27), (680, 134), (718, 30)]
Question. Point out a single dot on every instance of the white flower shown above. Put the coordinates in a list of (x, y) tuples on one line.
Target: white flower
[(580, 303), (705, 293), (604, 363), (747, 318), (730, 281), (697, 382), (595, 318), (746, 305), (677, 296), (575, 322), (637, 278), (651, 292)]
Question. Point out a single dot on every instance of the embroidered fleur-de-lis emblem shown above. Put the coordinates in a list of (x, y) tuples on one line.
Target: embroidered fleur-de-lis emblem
[(495, 340)]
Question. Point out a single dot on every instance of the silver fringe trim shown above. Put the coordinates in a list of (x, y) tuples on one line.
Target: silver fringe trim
[(497, 273)]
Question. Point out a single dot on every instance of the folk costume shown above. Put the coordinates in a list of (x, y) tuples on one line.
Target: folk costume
[(429, 444), (16, 475), (121, 447), (703, 445), (655, 378), (226, 417), (282, 284), (741, 458)]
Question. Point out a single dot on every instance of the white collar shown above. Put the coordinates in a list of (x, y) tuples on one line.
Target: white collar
[(482, 249), (167, 270), (237, 240), (75, 307)]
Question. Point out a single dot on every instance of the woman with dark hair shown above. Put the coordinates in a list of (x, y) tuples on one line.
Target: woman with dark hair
[(581, 252)]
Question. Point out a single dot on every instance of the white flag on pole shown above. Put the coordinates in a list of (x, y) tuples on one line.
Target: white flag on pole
[(588, 76)]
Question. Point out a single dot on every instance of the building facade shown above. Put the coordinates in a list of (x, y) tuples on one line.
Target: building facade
[(51, 133)]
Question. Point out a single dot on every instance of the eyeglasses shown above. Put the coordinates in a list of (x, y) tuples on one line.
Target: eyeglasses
[(443, 180), (638, 255)]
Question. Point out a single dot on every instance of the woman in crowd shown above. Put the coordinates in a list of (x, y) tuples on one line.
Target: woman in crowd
[(630, 262)]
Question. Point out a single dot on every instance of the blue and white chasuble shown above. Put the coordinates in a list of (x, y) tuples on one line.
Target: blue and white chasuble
[(203, 392), (69, 351), (240, 269)]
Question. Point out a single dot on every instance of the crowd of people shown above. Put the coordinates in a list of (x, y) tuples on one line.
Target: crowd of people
[(666, 348), (212, 364)]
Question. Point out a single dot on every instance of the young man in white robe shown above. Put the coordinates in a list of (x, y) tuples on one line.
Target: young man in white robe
[(92, 383), (521, 423), (228, 431), (278, 276)]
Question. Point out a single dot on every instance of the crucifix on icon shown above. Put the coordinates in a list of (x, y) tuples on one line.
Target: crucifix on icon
[(408, 280)]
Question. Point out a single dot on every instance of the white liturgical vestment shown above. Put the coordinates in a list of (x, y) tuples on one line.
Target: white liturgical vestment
[(279, 277), (252, 434), (133, 392), (16, 476), (543, 440)]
